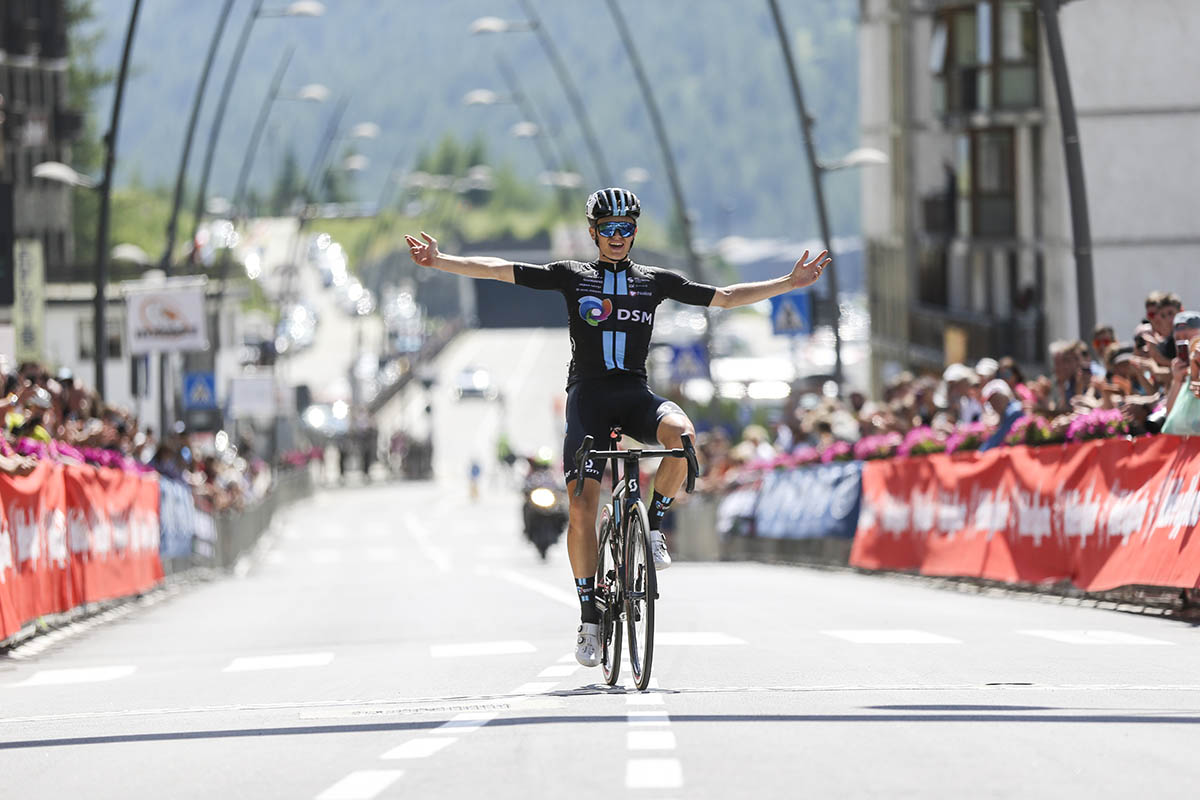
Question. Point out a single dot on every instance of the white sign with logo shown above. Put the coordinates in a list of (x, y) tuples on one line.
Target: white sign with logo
[(166, 317), (252, 396), (29, 291)]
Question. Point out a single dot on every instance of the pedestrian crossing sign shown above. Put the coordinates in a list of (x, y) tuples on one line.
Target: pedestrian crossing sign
[(791, 314), (688, 362), (199, 391)]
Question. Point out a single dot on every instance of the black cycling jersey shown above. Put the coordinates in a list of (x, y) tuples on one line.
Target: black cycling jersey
[(610, 308)]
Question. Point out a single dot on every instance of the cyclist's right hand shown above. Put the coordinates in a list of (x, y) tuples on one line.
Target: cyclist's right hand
[(423, 253)]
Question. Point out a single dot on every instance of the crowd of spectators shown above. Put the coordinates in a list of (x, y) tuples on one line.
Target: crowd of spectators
[(55, 417), (1147, 383)]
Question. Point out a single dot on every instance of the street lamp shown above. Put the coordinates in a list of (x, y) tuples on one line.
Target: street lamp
[(311, 93), (817, 169), (485, 25), (56, 171), (303, 8), (1081, 233)]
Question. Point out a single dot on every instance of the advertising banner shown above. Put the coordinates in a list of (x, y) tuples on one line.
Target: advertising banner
[(166, 317), (1101, 514), (252, 396), (810, 502), (29, 292), (71, 535)]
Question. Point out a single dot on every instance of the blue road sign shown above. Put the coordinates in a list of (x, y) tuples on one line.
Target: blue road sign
[(688, 362), (199, 391), (791, 313)]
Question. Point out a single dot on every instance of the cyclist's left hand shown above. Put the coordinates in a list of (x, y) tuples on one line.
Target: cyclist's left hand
[(806, 272)]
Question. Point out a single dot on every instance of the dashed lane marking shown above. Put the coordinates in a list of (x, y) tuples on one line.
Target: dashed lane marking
[(1096, 637), (361, 785), (324, 555), (648, 717), (644, 699), (533, 584), (650, 740), (381, 554), (466, 722), (420, 534), (559, 671), (537, 687), (419, 748), (62, 677), (694, 639), (284, 661), (653, 773), (891, 636), (481, 649)]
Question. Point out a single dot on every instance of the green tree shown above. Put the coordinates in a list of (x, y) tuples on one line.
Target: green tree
[(83, 79), (289, 184)]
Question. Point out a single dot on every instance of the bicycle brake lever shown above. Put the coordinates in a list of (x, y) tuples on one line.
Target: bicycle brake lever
[(693, 466), (580, 457)]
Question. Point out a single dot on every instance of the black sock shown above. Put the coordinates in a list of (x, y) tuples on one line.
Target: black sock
[(586, 588), (658, 509)]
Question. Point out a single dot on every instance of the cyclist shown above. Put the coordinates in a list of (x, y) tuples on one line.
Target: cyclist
[(610, 306)]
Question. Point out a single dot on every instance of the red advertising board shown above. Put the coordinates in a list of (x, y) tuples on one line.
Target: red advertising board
[(71, 535), (1101, 514)]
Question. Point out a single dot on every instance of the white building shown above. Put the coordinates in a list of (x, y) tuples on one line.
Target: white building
[(969, 230)]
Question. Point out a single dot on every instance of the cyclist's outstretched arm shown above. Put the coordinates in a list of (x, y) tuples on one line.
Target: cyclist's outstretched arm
[(426, 254), (804, 273)]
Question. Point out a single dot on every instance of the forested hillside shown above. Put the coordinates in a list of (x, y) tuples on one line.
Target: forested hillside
[(406, 64)]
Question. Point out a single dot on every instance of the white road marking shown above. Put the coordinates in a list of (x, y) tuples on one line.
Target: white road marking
[(481, 649), (559, 671), (694, 639), (420, 748), (653, 773), (541, 587), (537, 687), (569, 658), (361, 785), (275, 557), (1095, 637), (420, 534), (648, 717), (650, 740), (325, 555), (62, 677), (643, 699), (891, 636), (285, 661), (466, 722), (381, 554)]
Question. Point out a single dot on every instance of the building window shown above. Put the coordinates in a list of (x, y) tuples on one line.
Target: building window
[(987, 197), (87, 337), (984, 56)]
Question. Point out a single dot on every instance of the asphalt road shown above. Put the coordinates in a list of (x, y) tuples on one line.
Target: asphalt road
[(400, 640)]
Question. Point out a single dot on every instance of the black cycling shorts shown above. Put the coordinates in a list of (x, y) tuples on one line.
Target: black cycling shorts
[(595, 406)]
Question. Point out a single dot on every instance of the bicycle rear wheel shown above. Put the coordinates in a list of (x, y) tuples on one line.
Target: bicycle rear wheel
[(641, 588), (608, 592)]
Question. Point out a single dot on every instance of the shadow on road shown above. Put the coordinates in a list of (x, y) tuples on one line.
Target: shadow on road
[(1147, 717)]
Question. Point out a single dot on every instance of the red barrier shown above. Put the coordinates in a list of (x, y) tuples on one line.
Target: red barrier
[(1101, 514), (71, 535)]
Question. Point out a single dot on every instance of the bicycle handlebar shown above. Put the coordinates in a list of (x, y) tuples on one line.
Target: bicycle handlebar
[(687, 452)]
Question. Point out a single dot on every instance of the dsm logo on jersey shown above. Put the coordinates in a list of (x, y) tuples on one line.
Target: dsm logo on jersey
[(594, 310)]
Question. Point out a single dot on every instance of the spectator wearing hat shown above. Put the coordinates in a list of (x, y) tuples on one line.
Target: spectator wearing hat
[(999, 395), (961, 393), (1186, 328)]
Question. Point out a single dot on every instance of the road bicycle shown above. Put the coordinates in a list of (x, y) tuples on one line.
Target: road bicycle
[(626, 584)]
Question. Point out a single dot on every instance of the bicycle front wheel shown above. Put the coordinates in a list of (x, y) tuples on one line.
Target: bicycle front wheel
[(608, 596), (641, 589)]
